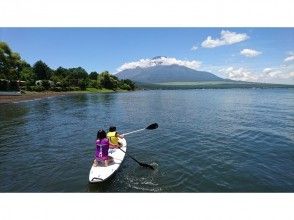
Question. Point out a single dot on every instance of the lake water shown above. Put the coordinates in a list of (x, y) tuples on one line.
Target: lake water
[(234, 140)]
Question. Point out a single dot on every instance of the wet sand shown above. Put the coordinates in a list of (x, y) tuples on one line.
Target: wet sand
[(5, 99)]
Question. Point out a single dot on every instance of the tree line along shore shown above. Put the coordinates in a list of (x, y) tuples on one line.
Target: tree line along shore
[(18, 75)]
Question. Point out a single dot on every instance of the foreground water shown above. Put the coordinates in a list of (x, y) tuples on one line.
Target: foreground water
[(235, 140)]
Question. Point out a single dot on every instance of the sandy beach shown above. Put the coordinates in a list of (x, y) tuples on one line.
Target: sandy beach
[(5, 99)]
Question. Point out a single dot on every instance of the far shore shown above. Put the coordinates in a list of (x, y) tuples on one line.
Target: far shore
[(27, 96), (6, 99)]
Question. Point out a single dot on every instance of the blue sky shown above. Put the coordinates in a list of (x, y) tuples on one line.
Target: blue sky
[(252, 54)]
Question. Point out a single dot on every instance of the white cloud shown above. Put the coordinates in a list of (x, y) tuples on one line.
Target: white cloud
[(145, 63), (194, 48), (250, 53), (269, 74), (267, 70), (238, 74), (289, 59), (227, 38)]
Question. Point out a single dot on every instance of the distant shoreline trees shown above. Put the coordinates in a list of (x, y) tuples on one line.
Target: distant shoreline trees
[(16, 74)]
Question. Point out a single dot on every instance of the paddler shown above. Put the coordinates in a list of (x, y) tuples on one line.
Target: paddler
[(113, 136), (102, 146)]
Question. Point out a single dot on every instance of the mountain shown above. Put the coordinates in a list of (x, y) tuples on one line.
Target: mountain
[(166, 73)]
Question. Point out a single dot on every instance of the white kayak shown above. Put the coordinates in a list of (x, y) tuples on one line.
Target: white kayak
[(101, 173)]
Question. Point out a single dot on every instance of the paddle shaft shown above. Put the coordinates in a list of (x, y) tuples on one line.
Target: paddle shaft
[(134, 131), (141, 164), (130, 156), (150, 127)]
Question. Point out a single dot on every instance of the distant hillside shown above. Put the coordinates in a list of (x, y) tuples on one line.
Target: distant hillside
[(211, 85), (166, 73)]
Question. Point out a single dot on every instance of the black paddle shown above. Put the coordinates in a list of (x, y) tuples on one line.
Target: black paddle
[(150, 127), (141, 164)]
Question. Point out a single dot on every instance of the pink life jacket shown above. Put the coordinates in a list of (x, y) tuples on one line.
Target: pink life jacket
[(102, 147)]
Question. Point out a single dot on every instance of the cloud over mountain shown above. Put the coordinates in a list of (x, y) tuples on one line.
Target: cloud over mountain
[(268, 75), (269, 72), (238, 74), (165, 61), (226, 38)]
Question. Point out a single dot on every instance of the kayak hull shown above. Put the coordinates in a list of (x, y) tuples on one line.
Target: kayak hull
[(101, 173)]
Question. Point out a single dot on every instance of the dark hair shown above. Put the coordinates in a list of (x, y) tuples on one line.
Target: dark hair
[(101, 134), (112, 129)]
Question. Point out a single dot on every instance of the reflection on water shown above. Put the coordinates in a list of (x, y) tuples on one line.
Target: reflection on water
[(231, 140), (9, 112), (13, 121)]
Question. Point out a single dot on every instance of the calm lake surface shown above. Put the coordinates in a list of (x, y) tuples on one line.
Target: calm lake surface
[(231, 140)]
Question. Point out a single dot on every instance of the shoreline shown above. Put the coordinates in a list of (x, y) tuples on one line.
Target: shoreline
[(29, 96)]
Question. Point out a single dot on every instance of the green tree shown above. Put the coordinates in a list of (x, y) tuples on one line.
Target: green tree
[(129, 84), (24, 64), (95, 84), (59, 75), (10, 63), (46, 84), (5, 53), (93, 75), (125, 86), (27, 74), (78, 77), (83, 83), (108, 81), (42, 71)]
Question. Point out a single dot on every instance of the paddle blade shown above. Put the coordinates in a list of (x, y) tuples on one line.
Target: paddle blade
[(152, 126), (147, 166)]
